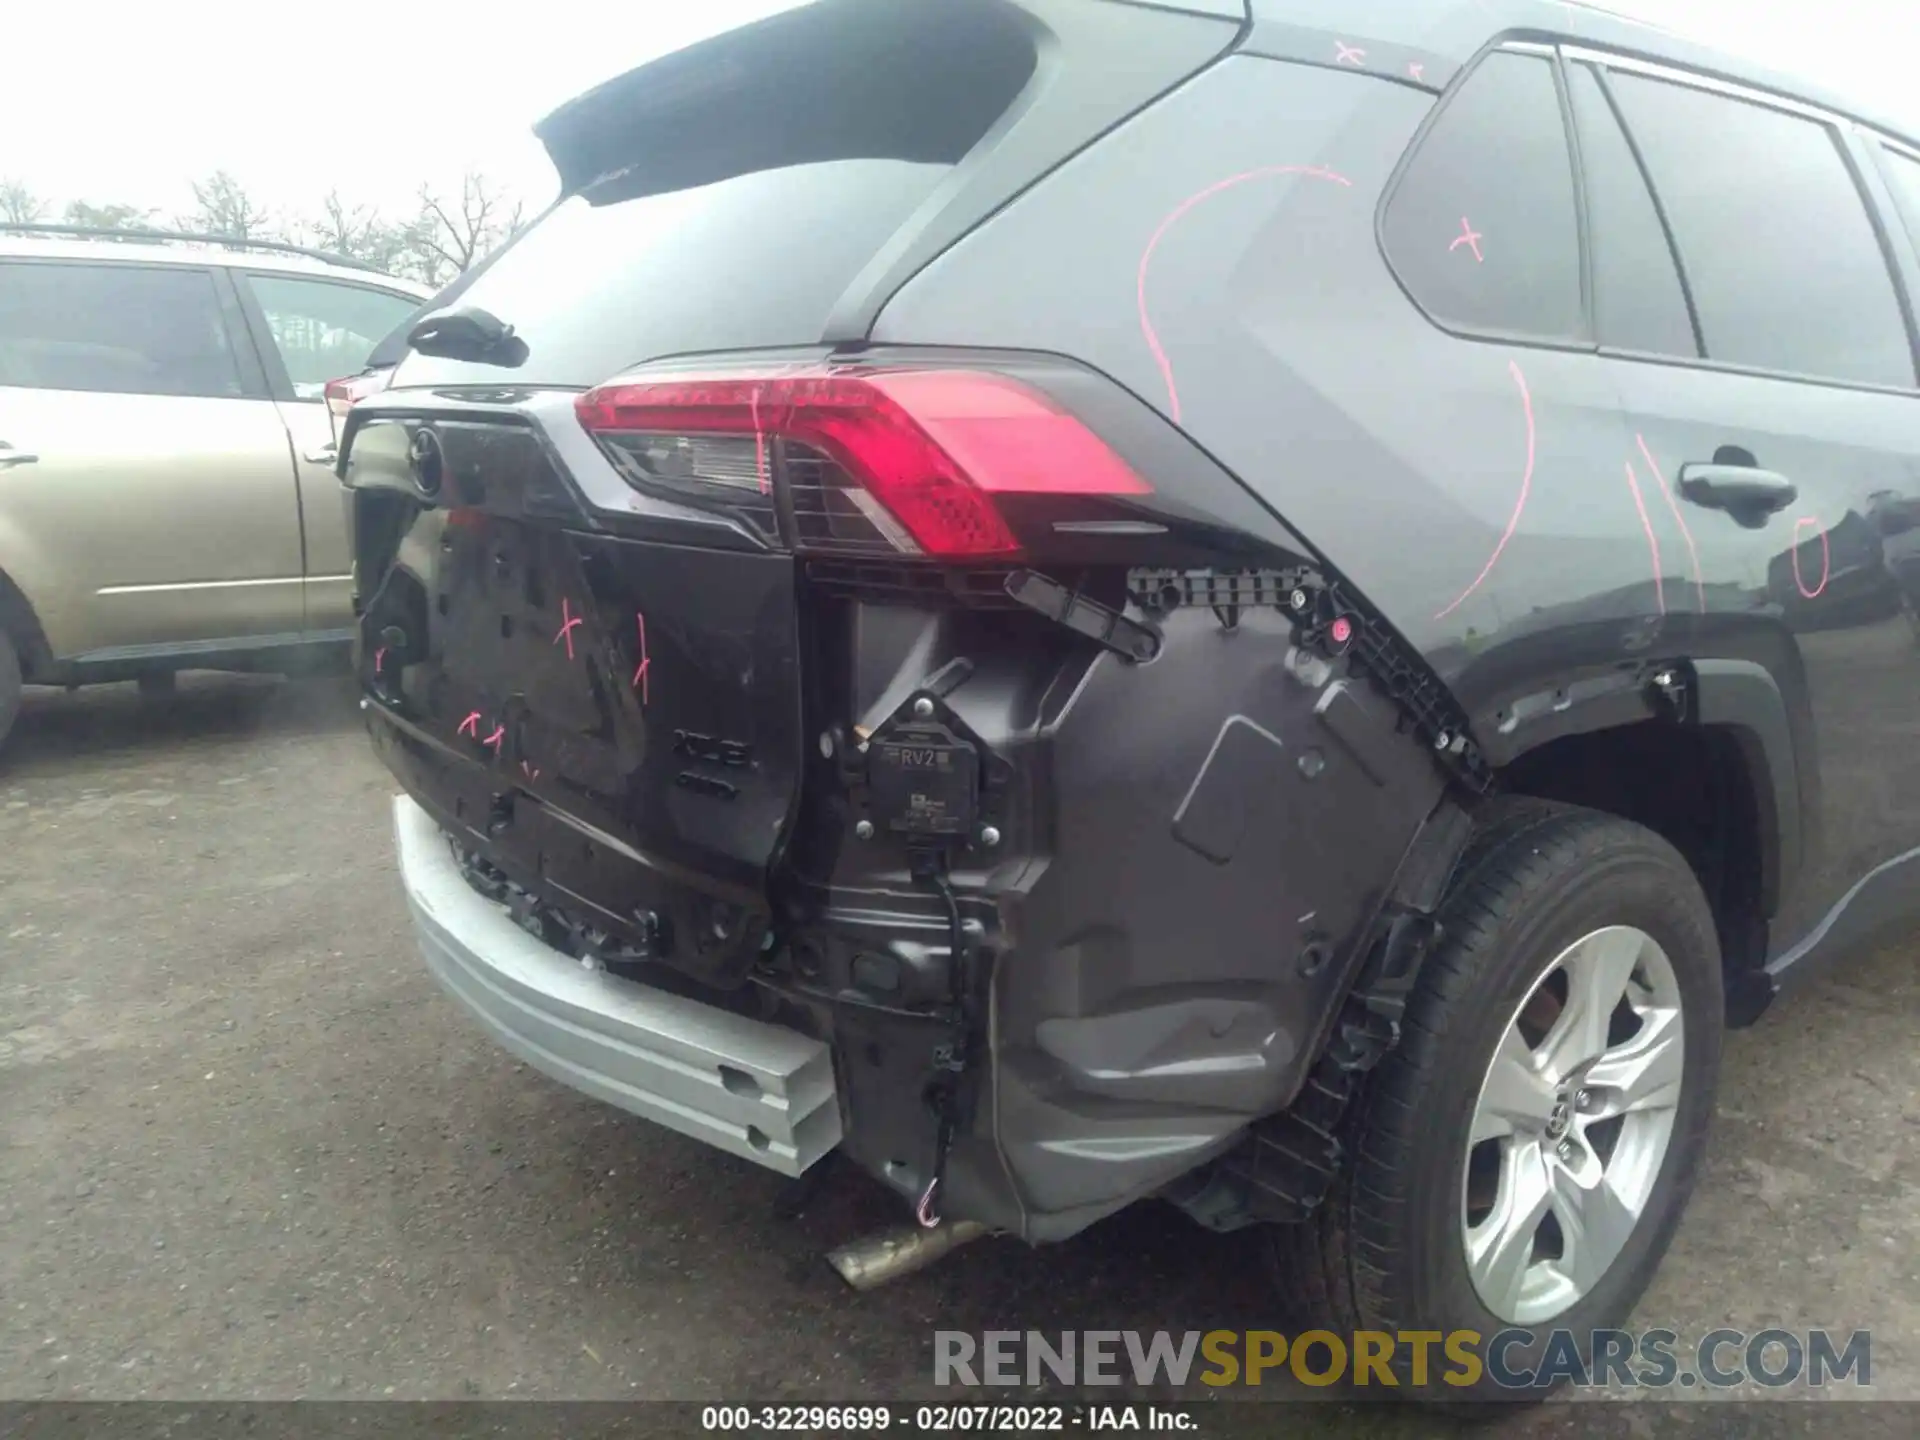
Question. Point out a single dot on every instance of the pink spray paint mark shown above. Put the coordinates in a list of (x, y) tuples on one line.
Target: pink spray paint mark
[(1653, 544), (646, 662), (1699, 584), (1345, 54), (1519, 505), (1146, 257), (470, 725), (1826, 558), (566, 629), (379, 659), (1417, 70), (499, 734), (532, 772), (1469, 237)]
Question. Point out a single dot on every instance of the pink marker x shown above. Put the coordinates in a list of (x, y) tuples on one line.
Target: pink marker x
[(499, 734), (470, 726), (379, 659), (1469, 237), (646, 663), (1416, 69), (566, 629), (1345, 54)]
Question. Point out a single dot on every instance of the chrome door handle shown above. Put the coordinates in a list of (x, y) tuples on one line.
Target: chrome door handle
[(329, 456)]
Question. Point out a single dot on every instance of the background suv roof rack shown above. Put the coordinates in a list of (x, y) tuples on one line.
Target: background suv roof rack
[(232, 242)]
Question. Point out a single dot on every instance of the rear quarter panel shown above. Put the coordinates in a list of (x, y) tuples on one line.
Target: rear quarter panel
[(1217, 256)]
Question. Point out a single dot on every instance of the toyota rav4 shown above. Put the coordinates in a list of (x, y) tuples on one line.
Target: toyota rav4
[(1277, 605)]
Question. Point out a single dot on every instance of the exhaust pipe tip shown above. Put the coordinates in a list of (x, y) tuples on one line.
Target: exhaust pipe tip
[(888, 1255)]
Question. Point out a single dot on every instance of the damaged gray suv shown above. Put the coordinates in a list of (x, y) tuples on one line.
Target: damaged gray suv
[(1216, 601)]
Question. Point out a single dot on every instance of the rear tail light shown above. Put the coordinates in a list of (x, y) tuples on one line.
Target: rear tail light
[(342, 394), (885, 461)]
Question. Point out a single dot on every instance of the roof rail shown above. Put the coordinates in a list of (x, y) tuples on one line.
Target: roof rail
[(231, 242)]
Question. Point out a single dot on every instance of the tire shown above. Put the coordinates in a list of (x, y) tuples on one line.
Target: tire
[(1387, 1251), (9, 685)]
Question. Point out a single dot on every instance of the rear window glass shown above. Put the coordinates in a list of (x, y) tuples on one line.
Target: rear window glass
[(750, 261), (323, 329)]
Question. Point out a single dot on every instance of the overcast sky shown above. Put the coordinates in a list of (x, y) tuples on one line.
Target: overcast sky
[(117, 103)]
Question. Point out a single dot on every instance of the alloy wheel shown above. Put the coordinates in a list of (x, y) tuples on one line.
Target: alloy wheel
[(1572, 1124)]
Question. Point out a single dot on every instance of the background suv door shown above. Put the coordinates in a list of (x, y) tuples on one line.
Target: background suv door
[(158, 510), (311, 330), (1780, 343)]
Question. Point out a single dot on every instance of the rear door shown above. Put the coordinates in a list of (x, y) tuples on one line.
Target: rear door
[(313, 330), (158, 510), (1795, 372)]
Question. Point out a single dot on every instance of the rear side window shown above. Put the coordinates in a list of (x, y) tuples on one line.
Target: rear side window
[(1482, 228), (1638, 301), (1786, 271), (325, 330), (120, 329)]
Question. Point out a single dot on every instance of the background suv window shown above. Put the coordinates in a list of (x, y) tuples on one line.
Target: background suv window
[(324, 330), (124, 329), (1786, 271), (1482, 228), (1638, 301)]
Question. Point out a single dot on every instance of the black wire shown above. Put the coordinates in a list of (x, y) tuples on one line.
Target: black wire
[(956, 942)]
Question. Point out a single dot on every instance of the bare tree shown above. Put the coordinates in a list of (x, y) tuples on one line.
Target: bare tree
[(342, 228), (108, 217), (19, 205), (359, 233), (454, 235), (223, 207)]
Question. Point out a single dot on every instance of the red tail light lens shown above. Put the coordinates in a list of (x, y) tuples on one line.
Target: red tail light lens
[(342, 394), (932, 447)]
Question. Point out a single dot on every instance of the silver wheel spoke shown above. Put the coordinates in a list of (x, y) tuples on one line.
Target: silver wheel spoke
[(1516, 1095), (1594, 1226), (1644, 1071), (1539, 1104), (1598, 969), (1500, 1248)]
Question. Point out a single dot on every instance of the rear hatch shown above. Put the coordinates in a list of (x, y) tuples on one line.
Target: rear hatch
[(584, 649)]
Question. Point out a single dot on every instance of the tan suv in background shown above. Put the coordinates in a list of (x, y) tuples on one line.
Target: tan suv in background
[(167, 495)]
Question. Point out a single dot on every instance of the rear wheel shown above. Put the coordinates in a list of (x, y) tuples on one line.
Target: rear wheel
[(1521, 1159)]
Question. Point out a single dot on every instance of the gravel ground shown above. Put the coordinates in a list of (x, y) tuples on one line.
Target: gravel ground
[(248, 1149)]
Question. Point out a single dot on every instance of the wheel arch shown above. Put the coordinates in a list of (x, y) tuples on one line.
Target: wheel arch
[(1713, 753), (22, 626)]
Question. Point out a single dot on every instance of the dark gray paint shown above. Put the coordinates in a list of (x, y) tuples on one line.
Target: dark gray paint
[(1400, 450), (1195, 851)]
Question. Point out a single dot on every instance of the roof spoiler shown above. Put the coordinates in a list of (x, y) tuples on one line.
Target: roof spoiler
[(706, 113)]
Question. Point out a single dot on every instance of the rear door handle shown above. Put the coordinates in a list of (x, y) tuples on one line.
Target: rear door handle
[(1749, 495), (10, 457), (327, 455)]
